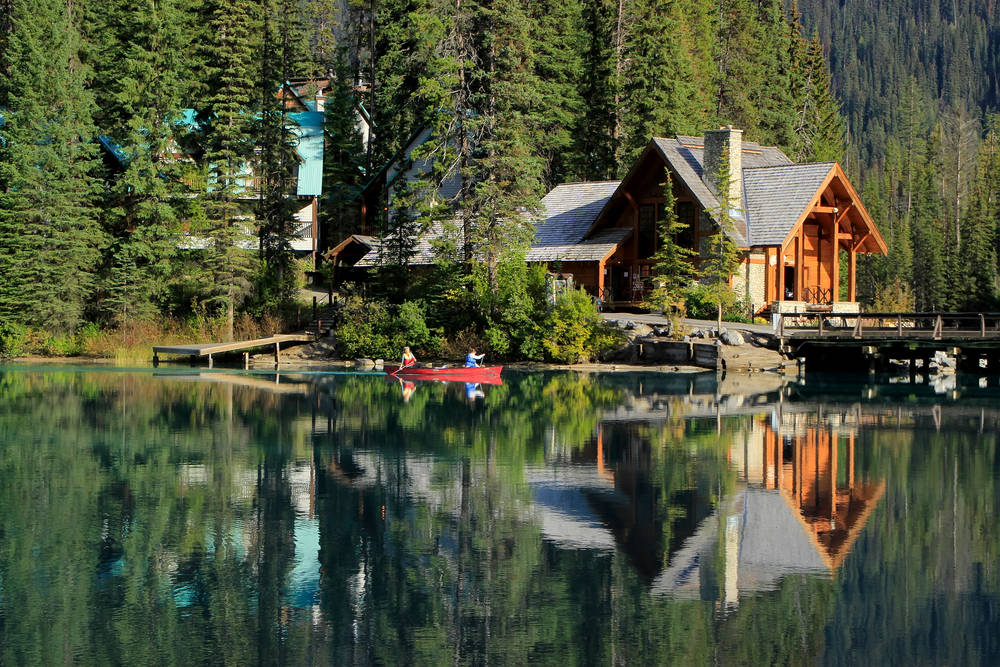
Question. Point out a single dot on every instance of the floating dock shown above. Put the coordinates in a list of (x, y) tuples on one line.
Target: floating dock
[(196, 350)]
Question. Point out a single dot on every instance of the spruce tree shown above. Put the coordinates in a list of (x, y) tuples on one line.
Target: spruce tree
[(48, 236), (275, 156), (146, 196), (673, 268), (721, 257), (343, 157), (661, 93), (227, 232)]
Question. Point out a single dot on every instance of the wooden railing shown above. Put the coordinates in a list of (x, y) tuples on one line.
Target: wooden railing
[(883, 325)]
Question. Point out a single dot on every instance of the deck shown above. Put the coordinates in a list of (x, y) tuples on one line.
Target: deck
[(196, 350), (856, 341)]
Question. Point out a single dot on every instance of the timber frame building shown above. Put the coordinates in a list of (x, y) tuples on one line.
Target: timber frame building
[(795, 225)]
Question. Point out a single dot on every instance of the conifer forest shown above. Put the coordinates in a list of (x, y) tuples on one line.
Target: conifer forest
[(126, 125)]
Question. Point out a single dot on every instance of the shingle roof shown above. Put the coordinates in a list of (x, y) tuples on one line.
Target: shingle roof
[(423, 252), (593, 249), (569, 210), (775, 190), (777, 196)]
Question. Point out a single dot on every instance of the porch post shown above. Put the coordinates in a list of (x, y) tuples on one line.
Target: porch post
[(852, 269), (835, 258), (600, 281), (799, 269), (781, 274)]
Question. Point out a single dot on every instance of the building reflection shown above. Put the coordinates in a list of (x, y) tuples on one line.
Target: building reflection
[(798, 507)]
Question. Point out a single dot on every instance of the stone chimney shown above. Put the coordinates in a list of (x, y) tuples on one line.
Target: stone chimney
[(729, 142)]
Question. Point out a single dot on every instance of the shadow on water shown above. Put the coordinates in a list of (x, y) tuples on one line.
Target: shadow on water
[(309, 517)]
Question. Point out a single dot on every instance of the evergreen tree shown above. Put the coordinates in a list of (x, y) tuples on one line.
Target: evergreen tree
[(275, 153), (343, 157), (598, 122), (721, 257), (146, 198), (661, 93), (930, 253), (229, 264), (673, 268), (48, 236)]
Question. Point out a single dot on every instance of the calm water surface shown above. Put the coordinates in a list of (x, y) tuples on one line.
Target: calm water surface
[(240, 518)]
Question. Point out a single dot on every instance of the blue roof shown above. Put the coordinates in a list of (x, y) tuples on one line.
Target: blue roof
[(310, 149), (114, 149)]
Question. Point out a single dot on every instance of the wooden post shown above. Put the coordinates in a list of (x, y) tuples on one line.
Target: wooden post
[(314, 308), (835, 258), (781, 274), (277, 353), (852, 270), (156, 360), (600, 283), (800, 271), (246, 360), (210, 363)]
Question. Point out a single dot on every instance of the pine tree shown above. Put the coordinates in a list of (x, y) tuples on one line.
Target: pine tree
[(229, 264), (275, 153), (48, 237), (144, 201), (598, 123), (554, 118), (343, 157), (673, 268), (660, 90)]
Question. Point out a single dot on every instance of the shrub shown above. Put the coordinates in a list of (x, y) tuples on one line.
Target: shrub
[(376, 329), (575, 332), (14, 340), (700, 300)]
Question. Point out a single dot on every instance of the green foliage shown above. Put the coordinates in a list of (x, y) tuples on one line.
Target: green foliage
[(13, 339), (673, 268), (575, 332), (376, 329), (721, 259), (701, 303)]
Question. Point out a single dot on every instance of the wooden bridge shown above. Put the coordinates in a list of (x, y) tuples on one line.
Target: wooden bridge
[(867, 341)]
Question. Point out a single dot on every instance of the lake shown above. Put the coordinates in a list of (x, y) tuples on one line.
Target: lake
[(223, 517)]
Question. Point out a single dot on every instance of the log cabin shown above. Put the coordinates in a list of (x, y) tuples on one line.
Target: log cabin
[(799, 227)]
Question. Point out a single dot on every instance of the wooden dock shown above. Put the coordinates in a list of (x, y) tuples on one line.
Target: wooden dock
[(868, 341), (196, 350)]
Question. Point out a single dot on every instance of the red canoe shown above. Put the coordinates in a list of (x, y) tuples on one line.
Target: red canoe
[(478, 374)]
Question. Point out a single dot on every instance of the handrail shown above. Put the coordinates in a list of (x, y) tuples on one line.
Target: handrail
[(901, 323)]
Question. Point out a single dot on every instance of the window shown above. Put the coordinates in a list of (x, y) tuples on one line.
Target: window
[(647, 231), (686, 216)]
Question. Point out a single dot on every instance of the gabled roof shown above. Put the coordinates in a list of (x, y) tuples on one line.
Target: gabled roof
[(570, 209), (686, 157), (777, 196)]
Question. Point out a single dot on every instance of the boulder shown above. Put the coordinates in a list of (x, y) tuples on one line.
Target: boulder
[(732, 338), (628, 325), (661, 331), (364, 363), (379, 364), (639, 330)]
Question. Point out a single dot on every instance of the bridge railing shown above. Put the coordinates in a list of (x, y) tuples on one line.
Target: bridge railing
[(882, 325)]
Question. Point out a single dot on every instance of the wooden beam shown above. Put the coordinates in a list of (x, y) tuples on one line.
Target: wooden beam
[(799, 269), (835, 258), (825, 209), (852, 272), (780, 265)]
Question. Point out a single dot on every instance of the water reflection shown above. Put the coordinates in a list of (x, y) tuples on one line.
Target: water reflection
[(308, 518)]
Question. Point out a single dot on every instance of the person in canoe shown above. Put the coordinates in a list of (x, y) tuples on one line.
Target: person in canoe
[(408, 358), (472, 359)]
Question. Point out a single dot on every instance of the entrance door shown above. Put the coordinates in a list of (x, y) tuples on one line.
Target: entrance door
[(621, 282), (789, 294)]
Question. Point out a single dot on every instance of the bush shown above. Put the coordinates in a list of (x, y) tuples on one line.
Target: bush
[(377, 330), (14, 340), (699, 302), (575, 332)]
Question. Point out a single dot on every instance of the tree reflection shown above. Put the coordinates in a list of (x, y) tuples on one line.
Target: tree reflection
[(561, 517)]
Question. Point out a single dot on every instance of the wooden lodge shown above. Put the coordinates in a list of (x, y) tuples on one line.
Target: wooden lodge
[(795, 224)]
